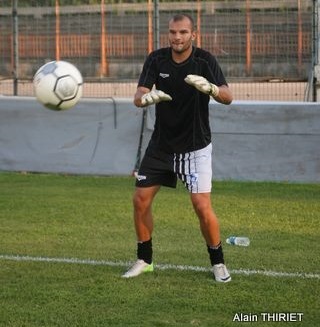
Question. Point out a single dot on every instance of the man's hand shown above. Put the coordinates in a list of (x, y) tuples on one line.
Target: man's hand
[(153, 97), (202, 84)]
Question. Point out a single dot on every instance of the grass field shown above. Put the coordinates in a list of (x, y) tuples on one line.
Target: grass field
[(66, 240)]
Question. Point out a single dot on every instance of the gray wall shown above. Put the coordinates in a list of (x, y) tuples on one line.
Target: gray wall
[(251, 140)]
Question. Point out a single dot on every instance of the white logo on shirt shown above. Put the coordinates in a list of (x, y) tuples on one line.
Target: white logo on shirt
[(163, 75)]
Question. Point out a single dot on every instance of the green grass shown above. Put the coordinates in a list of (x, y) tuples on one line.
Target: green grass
[(87, 217)]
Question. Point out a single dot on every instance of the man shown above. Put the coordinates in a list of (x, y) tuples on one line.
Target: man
[(180, 147)]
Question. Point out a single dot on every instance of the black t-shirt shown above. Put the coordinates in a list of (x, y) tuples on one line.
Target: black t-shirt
[(182, 125)]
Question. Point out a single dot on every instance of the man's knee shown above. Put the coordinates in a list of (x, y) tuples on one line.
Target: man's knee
[(142, 197), (201, 202)]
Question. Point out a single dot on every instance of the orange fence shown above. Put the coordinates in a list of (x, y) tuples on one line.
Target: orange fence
[(126, 45), (71, 45)]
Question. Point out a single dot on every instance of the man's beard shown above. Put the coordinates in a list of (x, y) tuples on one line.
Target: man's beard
[(181, 50)]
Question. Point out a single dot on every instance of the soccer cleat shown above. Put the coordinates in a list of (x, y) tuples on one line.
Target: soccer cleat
[(221, 273), (138, 268)]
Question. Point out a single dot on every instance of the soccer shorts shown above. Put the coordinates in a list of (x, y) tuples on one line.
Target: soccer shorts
[(192, 168)]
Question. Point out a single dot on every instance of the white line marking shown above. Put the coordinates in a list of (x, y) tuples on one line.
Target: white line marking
[(158, 266)]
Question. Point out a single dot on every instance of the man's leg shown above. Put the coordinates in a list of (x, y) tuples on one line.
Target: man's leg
[(209, 224), (210, 230), (143, 220), (142, 205)]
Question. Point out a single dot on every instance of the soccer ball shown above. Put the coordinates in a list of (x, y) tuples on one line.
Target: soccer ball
[(58, 85)]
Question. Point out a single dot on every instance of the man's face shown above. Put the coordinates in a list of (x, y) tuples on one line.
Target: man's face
[(181, 35)]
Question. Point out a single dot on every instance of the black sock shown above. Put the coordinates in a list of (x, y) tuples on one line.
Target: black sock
[(216, 254), (144, 251)]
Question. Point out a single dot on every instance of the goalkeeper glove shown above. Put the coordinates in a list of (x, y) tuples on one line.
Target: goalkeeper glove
[(202, 84), (153, 97)]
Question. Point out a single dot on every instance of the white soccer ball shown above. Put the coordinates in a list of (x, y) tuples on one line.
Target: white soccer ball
[(58, 85)]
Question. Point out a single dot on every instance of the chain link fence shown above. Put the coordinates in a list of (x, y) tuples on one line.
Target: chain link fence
[(265, 48)]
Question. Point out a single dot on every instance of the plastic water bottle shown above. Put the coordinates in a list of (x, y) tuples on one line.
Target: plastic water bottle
[(238, 240)]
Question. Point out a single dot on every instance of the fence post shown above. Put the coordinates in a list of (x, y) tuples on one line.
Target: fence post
[(156, 25), (316, 50), (248, 38), (198, 23), (299, 37), (15, 46), (57, 11), (103, 40), (150, 36)]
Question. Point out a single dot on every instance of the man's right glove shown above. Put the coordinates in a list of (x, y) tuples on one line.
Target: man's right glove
[(202, 84), (153, 97)]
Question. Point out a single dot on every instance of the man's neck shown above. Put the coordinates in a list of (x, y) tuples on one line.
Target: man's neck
[(181, 57)]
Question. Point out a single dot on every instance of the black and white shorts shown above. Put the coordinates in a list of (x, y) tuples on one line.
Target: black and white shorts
[(192, 168)]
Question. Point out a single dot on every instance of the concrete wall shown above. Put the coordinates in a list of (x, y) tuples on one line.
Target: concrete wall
[(251, 140)]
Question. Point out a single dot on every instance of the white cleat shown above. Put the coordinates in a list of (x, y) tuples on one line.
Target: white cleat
[(221, 273), (138, 268)]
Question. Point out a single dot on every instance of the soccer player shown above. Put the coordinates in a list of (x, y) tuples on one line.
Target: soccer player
[(180, 147)]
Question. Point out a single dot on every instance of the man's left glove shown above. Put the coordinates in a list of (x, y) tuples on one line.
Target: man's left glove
[(202, 84), (155, 96)]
